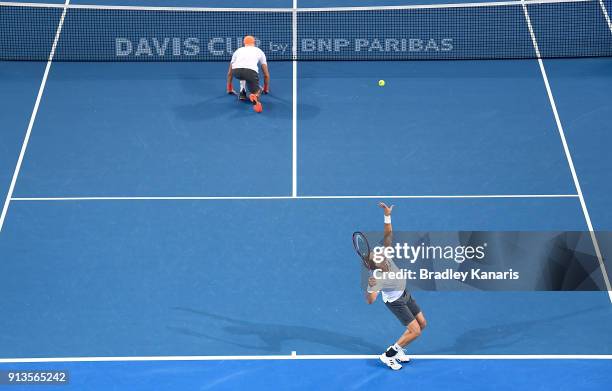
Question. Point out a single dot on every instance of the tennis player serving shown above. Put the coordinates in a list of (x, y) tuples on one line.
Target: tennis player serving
[(244, 67), (397, 299)]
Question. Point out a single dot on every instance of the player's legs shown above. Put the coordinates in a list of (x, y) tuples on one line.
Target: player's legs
[(408, 312), (251, 79), (416, 311), (410, 315), (252, 82), (248, 77), (243, 94), (422, 321), (412, 332)]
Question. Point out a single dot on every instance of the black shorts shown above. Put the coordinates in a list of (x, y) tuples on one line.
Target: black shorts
[(250, 76), (405, 308)]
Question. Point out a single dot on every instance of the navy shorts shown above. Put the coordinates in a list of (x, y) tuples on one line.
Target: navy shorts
[(405, 308)]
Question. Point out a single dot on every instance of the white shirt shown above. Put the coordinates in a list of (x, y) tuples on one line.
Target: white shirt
[(391, 289), (248, 57)]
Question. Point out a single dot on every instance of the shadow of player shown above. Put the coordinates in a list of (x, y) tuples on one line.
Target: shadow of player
[(274, 335), (480, 340)]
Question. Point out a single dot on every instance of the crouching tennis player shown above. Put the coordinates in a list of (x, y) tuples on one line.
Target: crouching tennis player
[(244, 67), (397, 299)]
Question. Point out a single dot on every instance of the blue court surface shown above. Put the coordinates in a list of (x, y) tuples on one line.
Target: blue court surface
[(158, 234)]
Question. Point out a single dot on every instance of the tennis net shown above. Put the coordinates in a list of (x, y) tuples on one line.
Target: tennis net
[(499, 30)]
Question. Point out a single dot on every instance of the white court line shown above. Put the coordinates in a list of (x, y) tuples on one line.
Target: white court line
[(568, 155), (287, 10), (605, 12), (294, 101), (315, 357), (437, 6), (26, 140), (338, 197)]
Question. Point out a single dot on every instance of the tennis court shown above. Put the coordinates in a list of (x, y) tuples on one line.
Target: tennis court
[(158, 234)]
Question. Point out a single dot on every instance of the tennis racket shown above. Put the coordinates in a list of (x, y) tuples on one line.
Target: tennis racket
[(361, 245)]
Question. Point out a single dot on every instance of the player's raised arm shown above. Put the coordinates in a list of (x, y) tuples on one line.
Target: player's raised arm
[(388, 238)]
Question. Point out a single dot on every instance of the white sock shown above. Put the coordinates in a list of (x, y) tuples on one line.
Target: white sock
[(397, 348), (242, 85)]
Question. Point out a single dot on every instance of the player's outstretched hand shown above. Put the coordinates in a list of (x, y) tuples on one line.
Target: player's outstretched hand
[(387, 209)]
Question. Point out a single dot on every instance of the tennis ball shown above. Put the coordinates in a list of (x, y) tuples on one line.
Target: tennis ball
[(381, 83)]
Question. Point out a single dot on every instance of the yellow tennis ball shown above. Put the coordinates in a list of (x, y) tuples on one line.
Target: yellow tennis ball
[(381, 83)]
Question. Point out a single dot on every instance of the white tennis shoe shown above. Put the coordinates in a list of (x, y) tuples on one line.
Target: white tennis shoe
[(401, 356), (391, 362)]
